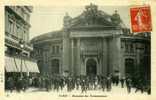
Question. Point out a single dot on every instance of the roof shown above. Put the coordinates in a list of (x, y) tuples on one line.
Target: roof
[(49, 35)]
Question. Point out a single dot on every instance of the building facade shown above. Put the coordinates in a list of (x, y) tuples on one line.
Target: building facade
[(17, 44), (93, 43)]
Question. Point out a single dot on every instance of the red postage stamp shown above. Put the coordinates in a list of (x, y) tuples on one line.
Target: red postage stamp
[(141, 19)]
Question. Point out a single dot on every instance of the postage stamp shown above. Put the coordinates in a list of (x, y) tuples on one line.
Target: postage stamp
[(141, 19)]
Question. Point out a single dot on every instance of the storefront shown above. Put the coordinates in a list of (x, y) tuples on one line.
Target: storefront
[(20, 66)]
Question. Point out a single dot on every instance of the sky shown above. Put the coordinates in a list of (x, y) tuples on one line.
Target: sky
[(45, 19)]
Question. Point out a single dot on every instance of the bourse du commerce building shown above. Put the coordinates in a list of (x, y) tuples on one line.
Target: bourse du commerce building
[(93, 43)]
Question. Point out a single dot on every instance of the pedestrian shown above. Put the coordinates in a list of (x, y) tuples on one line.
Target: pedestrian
[(24, 84), (10, 84), (69, 84), (19, 84), (95, 83), (47, 84), (129, 85), (148, 90), (139, 86), (103, 83), (61, 83), (30, 81), (122, 82), (77, 83), (87, 83), (83, 86), (109, 83), (117, 80)]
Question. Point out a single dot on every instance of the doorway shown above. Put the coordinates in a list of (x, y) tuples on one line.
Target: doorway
[(91, 67), (129, 64)]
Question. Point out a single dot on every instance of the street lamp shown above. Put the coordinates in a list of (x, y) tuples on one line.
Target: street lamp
[(21, 42)]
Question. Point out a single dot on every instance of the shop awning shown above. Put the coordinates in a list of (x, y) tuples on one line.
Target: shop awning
[(20, 65), (32, 66), (13, 64), (10, 64)]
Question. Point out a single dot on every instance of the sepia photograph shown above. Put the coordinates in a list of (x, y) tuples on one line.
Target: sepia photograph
[(77, 51)]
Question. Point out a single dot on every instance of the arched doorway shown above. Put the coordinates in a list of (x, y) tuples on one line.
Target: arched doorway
[(129, 64), (55, 66), (91, 67)]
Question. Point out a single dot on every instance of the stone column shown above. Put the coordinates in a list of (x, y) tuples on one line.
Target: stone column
[(138, 60), (82, 64), (66, 55), (72, 56), (104, 57), (119, 57), (108, 56), (61, 69), (78, 57), (116, 54)]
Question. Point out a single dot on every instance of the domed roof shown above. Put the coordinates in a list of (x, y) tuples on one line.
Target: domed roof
[(49, 35)]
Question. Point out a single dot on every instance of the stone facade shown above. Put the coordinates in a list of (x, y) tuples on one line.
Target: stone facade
[(17, 25), (18, 61), (90, 44)]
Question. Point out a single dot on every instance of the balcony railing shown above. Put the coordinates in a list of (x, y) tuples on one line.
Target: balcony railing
[(15, 39), (21, 56)]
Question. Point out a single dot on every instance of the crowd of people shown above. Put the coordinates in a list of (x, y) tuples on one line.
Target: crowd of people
[(83, 83)]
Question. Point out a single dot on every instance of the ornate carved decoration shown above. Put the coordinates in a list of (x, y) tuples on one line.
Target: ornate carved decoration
[(116, 20), (92, 17), (91, 14)]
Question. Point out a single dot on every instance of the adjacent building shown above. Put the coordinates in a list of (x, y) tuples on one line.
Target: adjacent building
[(93, 43), (17, 44)]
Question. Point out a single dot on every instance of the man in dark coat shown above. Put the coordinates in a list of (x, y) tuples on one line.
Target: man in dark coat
[(10, 84), (24, 83), (129, 85), (19, 84), (109, 86), (103, 83), (77, 83), (122, 82), (139, 85), (47, 82), (83, 85)]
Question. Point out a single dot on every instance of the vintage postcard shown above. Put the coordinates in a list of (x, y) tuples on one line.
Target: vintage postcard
[(78, 50)]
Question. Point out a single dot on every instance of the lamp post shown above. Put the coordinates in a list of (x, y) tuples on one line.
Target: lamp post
[(22, 46)]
